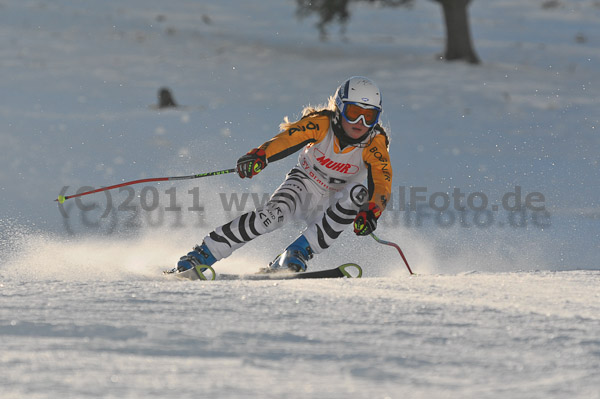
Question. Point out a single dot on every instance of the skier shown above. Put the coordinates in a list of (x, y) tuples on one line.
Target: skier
[(342, 146)]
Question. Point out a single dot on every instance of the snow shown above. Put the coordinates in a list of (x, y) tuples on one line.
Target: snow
[(501, 307), (518, 335)]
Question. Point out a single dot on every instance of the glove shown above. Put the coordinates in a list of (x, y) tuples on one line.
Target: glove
[(252, 163), (366, 220)]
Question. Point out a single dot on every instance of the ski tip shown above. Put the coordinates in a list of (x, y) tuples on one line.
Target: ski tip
[(201, 269), (357, 270)]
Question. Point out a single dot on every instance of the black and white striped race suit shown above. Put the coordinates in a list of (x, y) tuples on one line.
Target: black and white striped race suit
[(298, 197)]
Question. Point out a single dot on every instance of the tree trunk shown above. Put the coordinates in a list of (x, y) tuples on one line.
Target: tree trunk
[(458, 34)]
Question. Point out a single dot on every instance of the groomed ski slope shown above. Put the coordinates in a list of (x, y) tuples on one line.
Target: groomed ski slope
[(506, 309), (474, 335)]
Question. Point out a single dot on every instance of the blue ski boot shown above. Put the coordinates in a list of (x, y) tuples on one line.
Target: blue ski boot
[(294, 258), (201, 255)]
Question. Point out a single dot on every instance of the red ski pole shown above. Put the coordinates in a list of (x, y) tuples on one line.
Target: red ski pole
[(395, 246), (63, 198)]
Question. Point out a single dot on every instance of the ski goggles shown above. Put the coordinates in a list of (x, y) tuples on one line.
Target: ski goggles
[(353, 112)]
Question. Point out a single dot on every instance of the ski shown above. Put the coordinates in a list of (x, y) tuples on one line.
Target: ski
[(203, 272)]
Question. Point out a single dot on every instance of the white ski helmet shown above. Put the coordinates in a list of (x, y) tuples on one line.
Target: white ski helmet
[(362, 91)]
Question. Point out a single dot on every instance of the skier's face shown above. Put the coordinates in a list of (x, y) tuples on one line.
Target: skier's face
[(354, 130)]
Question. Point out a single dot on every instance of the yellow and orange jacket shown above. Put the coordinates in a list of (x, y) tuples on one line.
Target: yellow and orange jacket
[(331, 167)]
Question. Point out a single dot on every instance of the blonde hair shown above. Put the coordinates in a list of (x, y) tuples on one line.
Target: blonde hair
[(310, 110)]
